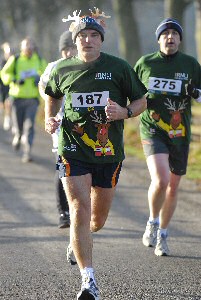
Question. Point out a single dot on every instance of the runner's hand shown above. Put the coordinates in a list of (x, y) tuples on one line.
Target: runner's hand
[(51, 125), (191, 90), (114, 111)]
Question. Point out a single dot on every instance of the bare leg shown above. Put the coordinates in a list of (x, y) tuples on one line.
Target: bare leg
[(101, 200), (7, 107), (78, 189), (158, 166), (7, 114), (89, 208), (170, 203)]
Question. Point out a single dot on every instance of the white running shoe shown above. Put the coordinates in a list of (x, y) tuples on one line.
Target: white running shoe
[(89, 290), (150, 235), (16, 143), (70, 256), (7, 123), (161, 246)]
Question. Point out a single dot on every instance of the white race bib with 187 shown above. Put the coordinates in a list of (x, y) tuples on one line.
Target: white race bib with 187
[(164, 86), (88, 101)]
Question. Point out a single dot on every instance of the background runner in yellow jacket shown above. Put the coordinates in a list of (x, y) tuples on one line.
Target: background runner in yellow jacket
[(22, 74)]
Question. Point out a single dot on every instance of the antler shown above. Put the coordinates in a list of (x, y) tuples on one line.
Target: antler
[(75, 17), (96, 118), (97, 13), (170, 105), (182, 105)]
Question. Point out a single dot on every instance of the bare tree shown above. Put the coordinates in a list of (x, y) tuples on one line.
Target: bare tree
[(198, 28), (176, 10), (13, 19), (128, 37)]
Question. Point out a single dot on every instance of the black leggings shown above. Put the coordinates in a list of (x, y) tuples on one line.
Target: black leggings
[(62, 203)]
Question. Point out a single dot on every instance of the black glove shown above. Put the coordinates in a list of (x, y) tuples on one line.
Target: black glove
[(20, 81), (191, 90), (37, 79)]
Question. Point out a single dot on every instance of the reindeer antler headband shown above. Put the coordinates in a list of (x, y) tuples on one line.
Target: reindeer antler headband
[(94, 21)]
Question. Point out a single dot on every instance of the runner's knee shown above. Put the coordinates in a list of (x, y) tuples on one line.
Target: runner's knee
[(96, 224)]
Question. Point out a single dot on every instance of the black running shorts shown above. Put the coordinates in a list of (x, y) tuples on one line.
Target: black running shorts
[(178, 154), (103, 175)]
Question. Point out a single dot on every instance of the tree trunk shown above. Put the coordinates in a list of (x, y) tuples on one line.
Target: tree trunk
[(175, 9), (128, 37), (198, 28)]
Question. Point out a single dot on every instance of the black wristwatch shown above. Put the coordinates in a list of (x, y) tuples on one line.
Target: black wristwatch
[(129, 113)]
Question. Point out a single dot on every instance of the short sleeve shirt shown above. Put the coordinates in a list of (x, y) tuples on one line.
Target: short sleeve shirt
[(86, 134), (165, 78)]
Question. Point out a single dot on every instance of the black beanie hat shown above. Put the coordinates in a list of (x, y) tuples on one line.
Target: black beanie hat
[(65, 40), (168, 23), (88, 22)]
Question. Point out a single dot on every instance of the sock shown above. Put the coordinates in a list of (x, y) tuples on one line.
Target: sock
[(162, 231), (153, 220), (88, 272)]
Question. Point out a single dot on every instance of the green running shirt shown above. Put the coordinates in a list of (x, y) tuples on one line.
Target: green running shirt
[(169, 110), (86, 134)]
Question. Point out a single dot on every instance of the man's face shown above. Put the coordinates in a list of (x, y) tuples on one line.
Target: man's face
[(27, 47), (89, 44), (169, 41), (69, 52)]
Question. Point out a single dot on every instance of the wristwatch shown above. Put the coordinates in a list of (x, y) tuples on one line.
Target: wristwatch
[(129, 113)]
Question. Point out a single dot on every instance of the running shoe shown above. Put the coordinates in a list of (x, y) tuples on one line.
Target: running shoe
[(161, 246), (150, 234), (7, 123), (89, 290), (64, 220), (70, 256), (26, 158), (16, 143)]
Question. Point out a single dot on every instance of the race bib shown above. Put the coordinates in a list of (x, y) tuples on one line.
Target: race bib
[(164, 86), (89, 101), (28, 74)]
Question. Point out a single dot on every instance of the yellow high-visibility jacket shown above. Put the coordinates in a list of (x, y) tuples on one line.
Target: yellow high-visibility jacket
[(22, 74)]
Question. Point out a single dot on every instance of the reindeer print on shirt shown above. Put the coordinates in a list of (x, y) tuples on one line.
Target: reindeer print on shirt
[(102, 146), (175, 128)]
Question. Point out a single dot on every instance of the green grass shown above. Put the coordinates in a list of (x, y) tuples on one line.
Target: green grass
[(194, 161), (133, 145)]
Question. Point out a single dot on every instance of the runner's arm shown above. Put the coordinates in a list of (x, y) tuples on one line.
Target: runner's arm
[(52, 106)]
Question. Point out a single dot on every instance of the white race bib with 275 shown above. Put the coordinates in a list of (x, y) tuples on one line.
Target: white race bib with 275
[(164, 86), (83, 101)]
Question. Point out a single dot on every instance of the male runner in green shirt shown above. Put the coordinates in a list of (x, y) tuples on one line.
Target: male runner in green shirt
[(171, 78), (97, 87)]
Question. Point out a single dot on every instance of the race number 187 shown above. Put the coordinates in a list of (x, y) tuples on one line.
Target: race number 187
[(94, 99)]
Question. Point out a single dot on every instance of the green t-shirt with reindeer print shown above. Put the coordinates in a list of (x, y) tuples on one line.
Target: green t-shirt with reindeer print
[(168, 112), (86, 134)]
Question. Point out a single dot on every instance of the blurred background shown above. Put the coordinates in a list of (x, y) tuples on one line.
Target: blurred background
[(130, 31)]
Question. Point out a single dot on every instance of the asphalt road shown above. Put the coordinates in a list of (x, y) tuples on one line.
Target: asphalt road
[(32, 249)]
